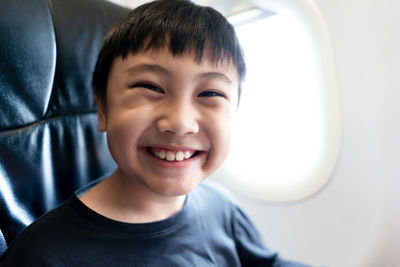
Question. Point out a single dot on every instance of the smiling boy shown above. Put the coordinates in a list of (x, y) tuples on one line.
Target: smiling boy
[(167, 83), (167, 120)]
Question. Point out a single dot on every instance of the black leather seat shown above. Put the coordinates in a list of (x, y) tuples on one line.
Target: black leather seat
[(49, 143)]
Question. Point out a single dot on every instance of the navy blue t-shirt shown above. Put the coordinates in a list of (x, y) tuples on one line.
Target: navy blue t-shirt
[(210, 230)]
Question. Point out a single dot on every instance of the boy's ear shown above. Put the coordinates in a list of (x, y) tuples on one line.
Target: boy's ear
[(101, 114)]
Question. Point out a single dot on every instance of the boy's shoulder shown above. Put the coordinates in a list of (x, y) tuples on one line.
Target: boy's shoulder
[(42, 231), (46, 222)]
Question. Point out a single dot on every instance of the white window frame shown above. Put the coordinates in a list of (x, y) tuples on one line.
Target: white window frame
[(307, 13)]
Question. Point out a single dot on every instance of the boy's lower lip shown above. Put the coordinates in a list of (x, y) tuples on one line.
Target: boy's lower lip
[(172, 164)]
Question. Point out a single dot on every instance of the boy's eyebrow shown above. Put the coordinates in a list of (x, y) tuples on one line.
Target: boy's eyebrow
[(216, 75), (148, 67), (159, 69)]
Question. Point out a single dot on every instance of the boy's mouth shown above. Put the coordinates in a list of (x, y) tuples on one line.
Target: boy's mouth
[(172, 155)]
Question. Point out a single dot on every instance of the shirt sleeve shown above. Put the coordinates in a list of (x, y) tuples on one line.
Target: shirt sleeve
[(251, 249)]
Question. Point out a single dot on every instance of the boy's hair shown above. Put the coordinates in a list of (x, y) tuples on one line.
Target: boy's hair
[(179, 25)]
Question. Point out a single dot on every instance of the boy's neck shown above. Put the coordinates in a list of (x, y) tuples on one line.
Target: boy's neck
[(116, 199)]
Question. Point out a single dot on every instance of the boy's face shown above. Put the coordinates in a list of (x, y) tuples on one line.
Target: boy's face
[(168, 119)]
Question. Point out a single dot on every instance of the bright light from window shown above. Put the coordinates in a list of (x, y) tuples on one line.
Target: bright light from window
[(280, 129), (280, 111)]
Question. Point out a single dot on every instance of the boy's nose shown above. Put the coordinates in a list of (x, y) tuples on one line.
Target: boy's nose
[(179, 119)]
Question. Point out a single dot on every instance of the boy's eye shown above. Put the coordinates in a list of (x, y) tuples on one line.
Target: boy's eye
[(149, 86), (210, 94)]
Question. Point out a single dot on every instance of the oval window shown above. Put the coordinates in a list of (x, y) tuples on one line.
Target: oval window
[(287, 127)]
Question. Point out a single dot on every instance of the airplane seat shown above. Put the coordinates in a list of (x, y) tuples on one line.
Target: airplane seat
[(49, 143)]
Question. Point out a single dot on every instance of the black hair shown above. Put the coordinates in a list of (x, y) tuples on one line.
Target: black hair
[(179, 25)]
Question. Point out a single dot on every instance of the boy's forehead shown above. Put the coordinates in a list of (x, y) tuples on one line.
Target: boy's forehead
[(188, 59)]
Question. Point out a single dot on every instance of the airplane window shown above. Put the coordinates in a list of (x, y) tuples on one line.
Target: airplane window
[(286, 131)]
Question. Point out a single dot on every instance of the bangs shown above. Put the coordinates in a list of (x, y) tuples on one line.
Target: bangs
[(183, 28), (178, 25)]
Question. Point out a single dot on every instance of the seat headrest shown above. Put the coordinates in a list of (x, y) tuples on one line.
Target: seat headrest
[(49, 143)]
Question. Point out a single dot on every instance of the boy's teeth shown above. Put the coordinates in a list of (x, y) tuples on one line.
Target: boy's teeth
[(162, 154), (179, 156), (187, 154), (171, 156)]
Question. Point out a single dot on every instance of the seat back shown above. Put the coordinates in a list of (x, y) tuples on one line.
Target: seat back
[(49, 143)]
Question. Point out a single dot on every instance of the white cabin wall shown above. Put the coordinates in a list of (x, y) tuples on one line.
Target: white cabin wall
[(355, 219)]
